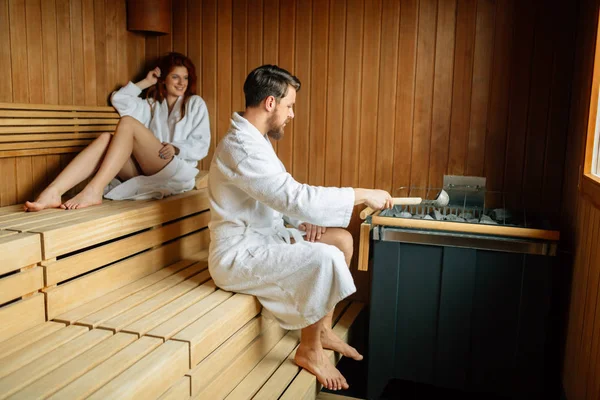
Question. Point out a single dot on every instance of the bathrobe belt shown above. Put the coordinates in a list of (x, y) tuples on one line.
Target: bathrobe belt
[(284, 233)]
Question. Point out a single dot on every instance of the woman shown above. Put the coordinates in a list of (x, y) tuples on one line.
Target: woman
[(154, 150)]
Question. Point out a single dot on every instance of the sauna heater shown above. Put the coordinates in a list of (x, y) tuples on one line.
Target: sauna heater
[(461, 295)]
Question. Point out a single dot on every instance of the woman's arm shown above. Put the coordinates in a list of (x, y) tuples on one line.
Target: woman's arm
[(127, 101)]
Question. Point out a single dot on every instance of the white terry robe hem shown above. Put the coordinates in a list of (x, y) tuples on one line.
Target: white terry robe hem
[(312, 320), (175, 177)]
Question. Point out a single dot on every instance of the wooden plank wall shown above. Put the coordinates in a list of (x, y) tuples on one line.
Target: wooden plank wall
[(581, 229), (397, 93), (60, 52)]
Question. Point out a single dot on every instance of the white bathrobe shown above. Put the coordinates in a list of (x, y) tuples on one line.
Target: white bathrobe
[(250, 250), (191, 135)]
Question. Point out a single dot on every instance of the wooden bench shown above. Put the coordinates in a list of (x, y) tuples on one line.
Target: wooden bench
[(116, 300), (36, 129)]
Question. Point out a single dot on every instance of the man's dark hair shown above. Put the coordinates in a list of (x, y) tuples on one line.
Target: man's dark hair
[(268, 80)]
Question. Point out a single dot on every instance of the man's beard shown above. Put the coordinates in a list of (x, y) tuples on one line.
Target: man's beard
[(275, 132)]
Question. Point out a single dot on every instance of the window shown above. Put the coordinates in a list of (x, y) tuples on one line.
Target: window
[(595, 167)]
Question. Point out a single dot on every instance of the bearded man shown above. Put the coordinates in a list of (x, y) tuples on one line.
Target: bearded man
[(298, 279)]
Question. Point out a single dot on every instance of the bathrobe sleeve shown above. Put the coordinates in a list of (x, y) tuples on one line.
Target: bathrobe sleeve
[(194, 146), (262, 179), (128, 103)]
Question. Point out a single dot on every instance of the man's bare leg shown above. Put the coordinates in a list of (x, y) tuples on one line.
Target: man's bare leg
[(310, 356), (131, 138), (342, 239), (82, 167)]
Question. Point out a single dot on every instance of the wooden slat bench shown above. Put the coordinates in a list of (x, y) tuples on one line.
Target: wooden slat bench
[(115, 300), (35, 129)]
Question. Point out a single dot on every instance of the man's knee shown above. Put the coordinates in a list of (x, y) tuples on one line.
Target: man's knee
[(343, 240)]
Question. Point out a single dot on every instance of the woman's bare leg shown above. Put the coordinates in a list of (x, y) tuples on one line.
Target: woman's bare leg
[(342, 239), (310, 356), (81, 168), (130, 138)]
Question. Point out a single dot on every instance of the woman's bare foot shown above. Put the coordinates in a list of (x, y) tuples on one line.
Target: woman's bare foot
[(49, 198), (87, 197), (329, 340), (316, 363)]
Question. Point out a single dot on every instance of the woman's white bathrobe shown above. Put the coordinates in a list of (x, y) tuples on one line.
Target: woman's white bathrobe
[(250, 250), (191, 136)]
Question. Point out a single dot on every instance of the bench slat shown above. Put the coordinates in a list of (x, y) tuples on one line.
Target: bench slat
[(267, 367), (70, 295), (26, 106), (45, 122), (173, 325), (228, 379), (152, 320), (137, 298), (17, 285), (13, 130), (40, 152), (120, 321), (19, 250), (22, 315), (24, 356), (80, 312), (209, 368), (208, 332), (28, 337), (34, 137), (18, 379), (68, 372), (27, 221), (58, 114), (179, 391), (43, 144), (64, 238), (153, 374), (102, 301), (91, 381), (78, 264)]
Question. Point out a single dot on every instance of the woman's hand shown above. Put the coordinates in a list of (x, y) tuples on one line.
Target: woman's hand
[(153, 76), (150, 79), (313, 232), (168, 151)]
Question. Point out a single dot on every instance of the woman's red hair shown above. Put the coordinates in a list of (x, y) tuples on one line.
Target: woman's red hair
[(167, 63)]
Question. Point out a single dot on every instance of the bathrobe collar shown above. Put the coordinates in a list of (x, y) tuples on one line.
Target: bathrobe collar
[(242, 124)]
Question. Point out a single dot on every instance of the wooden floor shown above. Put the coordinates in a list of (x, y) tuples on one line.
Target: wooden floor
[(116, 301)]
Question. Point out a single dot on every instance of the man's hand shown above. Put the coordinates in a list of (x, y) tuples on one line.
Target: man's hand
[(378, 199), (167, 151), (313, 232)]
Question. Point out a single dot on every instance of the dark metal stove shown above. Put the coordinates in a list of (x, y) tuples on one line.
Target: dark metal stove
[(461, 294)]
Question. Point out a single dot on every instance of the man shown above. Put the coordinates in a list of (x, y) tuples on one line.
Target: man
[(299, 281)]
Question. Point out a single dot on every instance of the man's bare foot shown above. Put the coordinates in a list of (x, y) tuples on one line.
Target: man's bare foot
[(87, 197), (329, 340), (316, 363), (49, 198)]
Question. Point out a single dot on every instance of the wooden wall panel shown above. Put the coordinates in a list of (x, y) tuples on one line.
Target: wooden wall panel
[(580, 213), (407, 53), (397, 94), (352, 93), (60, 52), (287, 32), (369, 93)]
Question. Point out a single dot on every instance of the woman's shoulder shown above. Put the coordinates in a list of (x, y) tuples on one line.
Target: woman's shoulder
[(196, 101)]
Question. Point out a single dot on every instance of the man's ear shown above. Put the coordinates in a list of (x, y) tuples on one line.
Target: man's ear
[(270, 103)]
